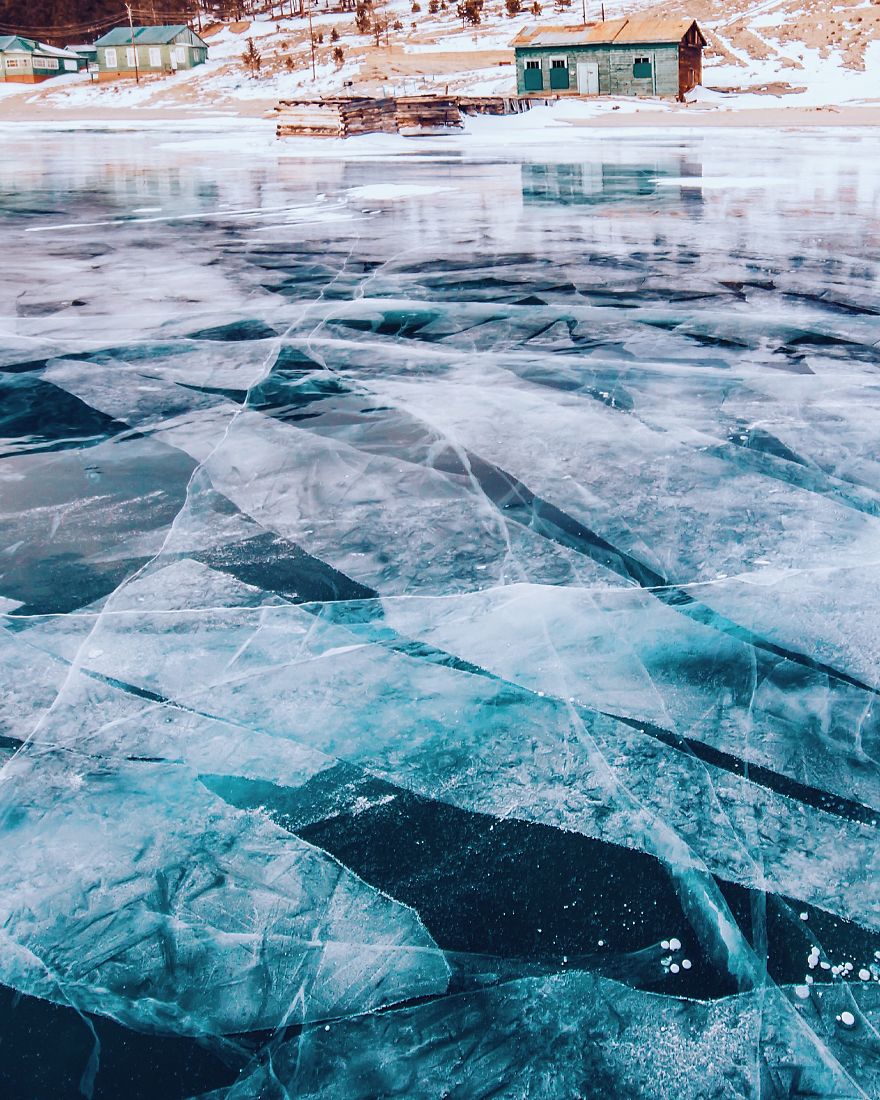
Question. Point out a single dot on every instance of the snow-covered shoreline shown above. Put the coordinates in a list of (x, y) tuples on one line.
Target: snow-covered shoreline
[(212, 130), (771, 59)]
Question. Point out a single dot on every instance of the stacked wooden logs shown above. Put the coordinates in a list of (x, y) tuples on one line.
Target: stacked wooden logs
[(427, 114), (492, 104), (342, 116), (346, 116), (367, 116), (308, 118)]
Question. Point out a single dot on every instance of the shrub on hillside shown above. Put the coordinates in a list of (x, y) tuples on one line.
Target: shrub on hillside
[(363, 16), (470, 11), (252, 59)]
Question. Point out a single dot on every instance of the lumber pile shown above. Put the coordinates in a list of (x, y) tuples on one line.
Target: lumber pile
[(345, 116), (341, 116), (492, 104), (314, 119), (367, 116), (427, 114)]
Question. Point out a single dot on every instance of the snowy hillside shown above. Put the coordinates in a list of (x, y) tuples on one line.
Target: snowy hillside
[(826, 55)]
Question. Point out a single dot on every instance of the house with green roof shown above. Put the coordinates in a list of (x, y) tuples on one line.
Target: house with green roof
[(26, 61), (149, 51)]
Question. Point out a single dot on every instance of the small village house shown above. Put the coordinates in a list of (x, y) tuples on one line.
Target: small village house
[(627, 57), (26, 61), (149, 51), (87, 51)]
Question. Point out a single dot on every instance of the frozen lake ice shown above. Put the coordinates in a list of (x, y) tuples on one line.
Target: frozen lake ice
[(439, 600)]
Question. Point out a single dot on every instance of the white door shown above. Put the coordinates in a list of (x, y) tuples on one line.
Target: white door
[(588, 77)]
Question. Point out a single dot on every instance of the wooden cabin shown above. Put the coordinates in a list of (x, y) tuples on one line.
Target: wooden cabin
[(149, 51), (26, 61), (626, 57)]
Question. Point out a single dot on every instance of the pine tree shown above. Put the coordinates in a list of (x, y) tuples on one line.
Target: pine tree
[(252, 59), (363, 16), (470, 11)]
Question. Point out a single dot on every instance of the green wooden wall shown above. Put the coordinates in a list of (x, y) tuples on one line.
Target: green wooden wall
[(191, 58), (616, 69)]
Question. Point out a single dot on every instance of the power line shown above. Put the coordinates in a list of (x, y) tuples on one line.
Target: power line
[(46, 33), (68, 29), (186, 12)]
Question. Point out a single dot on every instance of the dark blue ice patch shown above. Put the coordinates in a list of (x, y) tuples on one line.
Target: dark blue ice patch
[(38, 416)]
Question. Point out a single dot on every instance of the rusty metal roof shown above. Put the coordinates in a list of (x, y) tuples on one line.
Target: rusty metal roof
[(612, 31), (568, 36), (605, 32), (527, 35)]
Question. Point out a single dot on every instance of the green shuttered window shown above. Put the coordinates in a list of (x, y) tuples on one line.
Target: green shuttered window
[(534, 78), (559, 72), (642, 67)]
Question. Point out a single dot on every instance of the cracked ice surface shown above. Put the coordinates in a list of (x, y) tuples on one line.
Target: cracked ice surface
[(439, 643)]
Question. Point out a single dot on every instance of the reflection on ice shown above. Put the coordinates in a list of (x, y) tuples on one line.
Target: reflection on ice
[(438, 647)]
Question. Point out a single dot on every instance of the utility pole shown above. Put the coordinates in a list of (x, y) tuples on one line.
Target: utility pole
[(312, 41), (137, 75), (584, 6)]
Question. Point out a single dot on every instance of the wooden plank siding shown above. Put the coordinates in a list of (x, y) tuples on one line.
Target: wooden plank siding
[(150, 60), (616, 65), (690, 68), (156, 51), (628, 64), (663, 80)]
